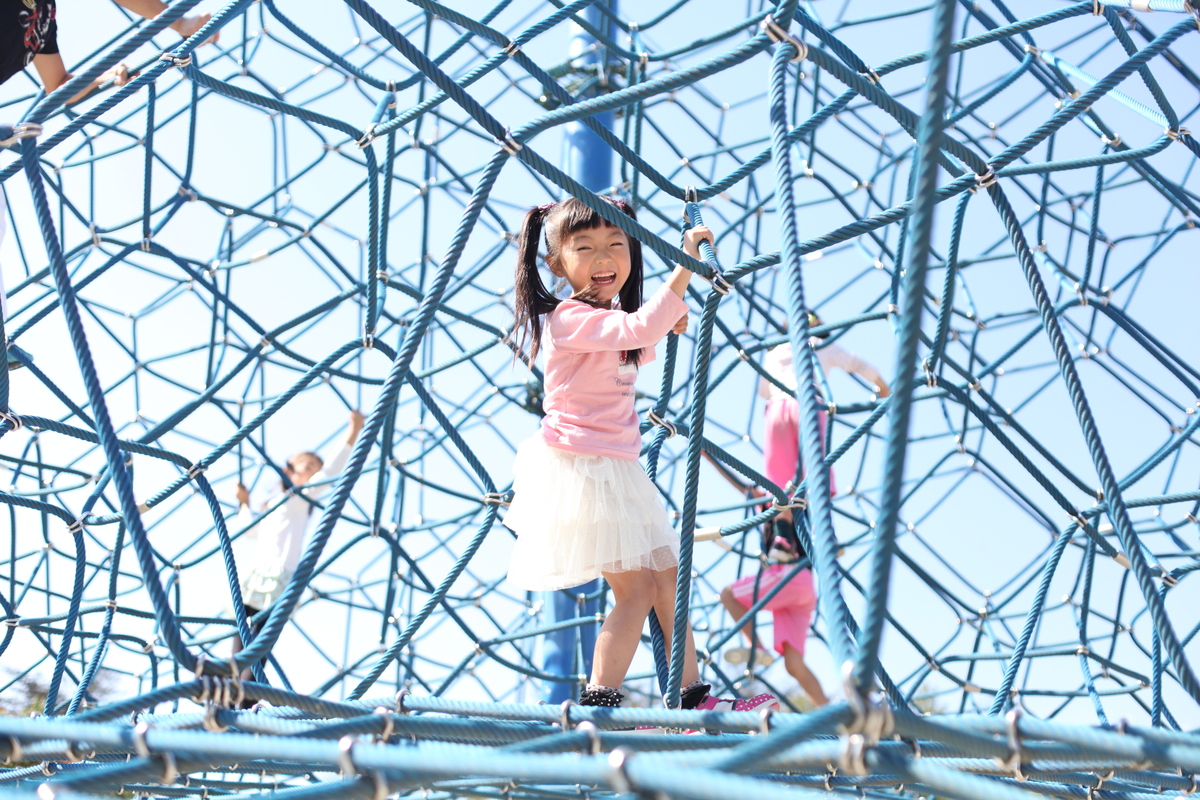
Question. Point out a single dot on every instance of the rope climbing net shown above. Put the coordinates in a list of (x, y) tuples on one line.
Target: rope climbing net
[(208, 267)]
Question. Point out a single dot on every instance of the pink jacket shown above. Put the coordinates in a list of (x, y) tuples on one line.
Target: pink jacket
[(589, 388)]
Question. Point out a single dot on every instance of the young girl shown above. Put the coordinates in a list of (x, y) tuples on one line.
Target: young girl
[(792, 607), (280, 534), (584, 507)]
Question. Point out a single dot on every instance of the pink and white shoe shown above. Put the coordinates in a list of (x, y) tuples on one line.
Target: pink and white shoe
[(759, 702)]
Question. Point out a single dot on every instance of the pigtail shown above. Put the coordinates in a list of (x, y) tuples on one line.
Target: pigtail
[(531, 299), (630, 295)]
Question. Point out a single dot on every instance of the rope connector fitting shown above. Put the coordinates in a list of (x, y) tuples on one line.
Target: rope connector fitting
[(12, 419), (718, 282), (368, 136), (512, 48), (22, 130), (781, 35), (1015, 754), (176, 61), (1174, 135), (508, 144), (870, 74), (619, 761), (985, 180), (800, 503), (655, 419), (496, 499)]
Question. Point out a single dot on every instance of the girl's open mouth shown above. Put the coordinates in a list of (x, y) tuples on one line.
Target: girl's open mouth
[(604, 278)]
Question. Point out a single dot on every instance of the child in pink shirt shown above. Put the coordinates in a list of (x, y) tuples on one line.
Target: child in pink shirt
[(583, 506)]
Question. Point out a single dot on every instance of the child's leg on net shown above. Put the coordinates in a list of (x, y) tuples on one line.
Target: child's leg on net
[(793, 617), (617, 642), (664, 609), (737, 610), (793, 660)]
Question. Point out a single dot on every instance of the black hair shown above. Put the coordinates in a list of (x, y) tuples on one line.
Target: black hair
[(303, 454), (531, 297)]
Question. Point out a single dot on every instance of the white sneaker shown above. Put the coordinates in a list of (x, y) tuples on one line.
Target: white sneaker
[(741, 655)]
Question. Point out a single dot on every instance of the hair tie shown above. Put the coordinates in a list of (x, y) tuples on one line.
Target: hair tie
[(547, 206)]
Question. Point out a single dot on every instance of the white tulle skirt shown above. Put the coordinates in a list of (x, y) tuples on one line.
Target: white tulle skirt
[(577, 516)]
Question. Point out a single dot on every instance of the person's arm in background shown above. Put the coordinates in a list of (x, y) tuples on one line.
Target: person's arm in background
[(184, 26), (53, 72), (834, 355), (335, 465)]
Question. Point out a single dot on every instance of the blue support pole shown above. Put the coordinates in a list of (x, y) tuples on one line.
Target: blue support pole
[(588, 160)]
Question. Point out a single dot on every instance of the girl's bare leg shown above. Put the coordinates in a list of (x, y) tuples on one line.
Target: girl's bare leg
[(664, 609), (617, 642), (794, 661), (737, 611)]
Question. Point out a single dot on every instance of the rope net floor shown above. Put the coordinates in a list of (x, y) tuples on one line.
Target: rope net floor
[(209, 267)]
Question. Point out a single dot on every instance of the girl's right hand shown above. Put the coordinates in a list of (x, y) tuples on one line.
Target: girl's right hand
[(243, 495), (693, 238)]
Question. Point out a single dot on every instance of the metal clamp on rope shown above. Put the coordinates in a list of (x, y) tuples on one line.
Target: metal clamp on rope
[(12, 419), (496, 499), (1174, 135), (564, 715), (870, 74), (1192, 8), (655, 419), (195, 470), (986, 180), (15, 751), (400, 695), (872, 715), (508, 144), (346, 756), (781, 35), (593, 737), (512, 48), (368, 136), (619, 761), (177, 61), (22, 130), (389, 727), (794, 502), (718, 282), (1015, 755), (77, 526), (853, 759)]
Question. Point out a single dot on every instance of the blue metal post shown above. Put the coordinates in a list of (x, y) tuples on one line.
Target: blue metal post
[(589, 161)]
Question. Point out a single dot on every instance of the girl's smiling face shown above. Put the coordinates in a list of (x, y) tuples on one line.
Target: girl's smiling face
[(594, 260)]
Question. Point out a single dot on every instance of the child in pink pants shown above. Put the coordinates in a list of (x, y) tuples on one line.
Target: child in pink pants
[(793, 605)]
